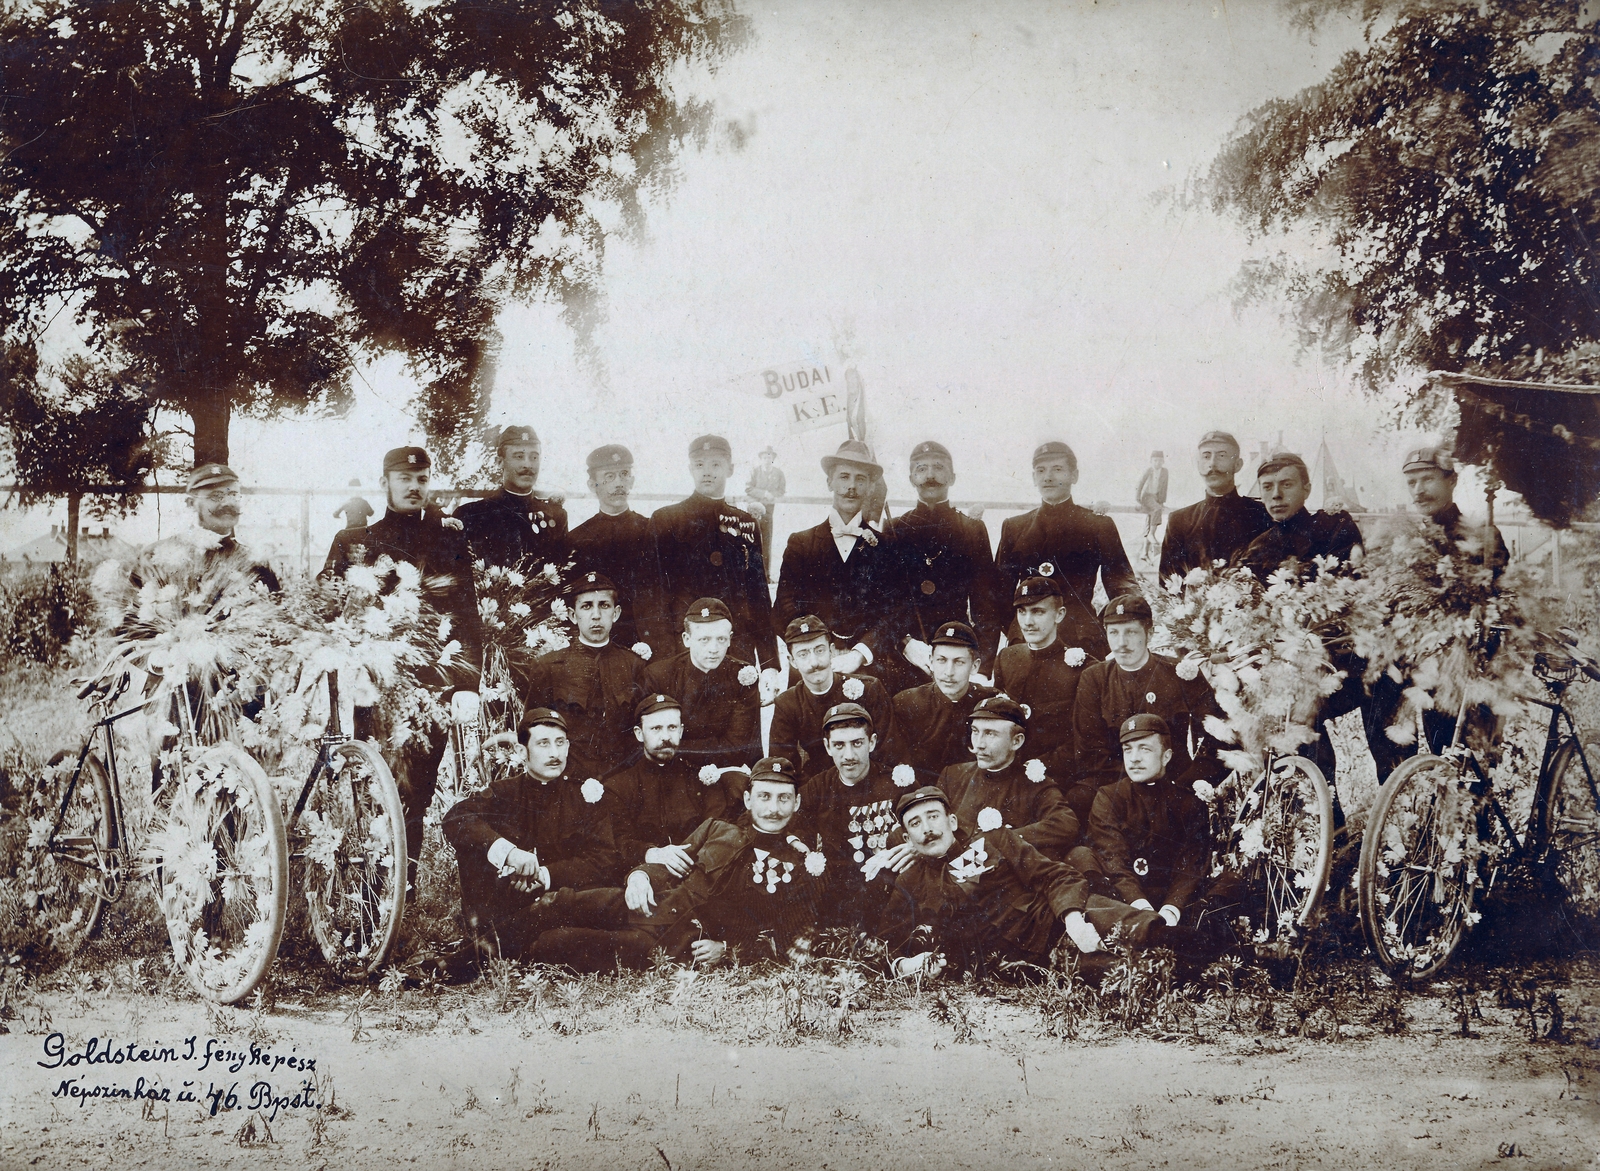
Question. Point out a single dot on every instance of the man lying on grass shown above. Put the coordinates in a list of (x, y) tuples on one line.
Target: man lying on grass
[(752, 887)]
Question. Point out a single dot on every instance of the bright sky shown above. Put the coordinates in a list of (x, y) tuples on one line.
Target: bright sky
[(970, 204)]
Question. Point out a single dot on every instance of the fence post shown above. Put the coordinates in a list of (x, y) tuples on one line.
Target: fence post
[(305, 532)]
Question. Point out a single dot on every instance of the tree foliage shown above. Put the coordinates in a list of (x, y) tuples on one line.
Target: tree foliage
[(246, 197), (1442, 187)]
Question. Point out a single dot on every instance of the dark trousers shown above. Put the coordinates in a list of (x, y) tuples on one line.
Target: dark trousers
[(507, 922), (1438, 728), (1203, 931), (416, 775)]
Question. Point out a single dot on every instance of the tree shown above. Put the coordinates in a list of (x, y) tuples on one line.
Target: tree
[(74, 429), (245, 197), (1445, 181)]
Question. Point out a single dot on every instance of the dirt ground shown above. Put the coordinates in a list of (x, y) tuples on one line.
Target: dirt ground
[(444, 1078)]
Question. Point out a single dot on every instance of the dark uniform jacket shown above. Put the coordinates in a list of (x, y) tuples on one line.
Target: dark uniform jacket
[(1035, 809), (655, 804), (619, 547), (1108, 695), (707, 548), (721, 715), (932, 730), (1043, 680), (1303, 536), (796, 730), (993, 892), (1152, 841), (860, 599), (1213, 530), (1072, 545), (571, 835), (1472, 540), (744, 883), (439, 553), (595, 688), (850, 823), (506, 529), (949, 575)]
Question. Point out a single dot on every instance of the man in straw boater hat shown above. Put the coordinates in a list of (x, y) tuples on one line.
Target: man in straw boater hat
[(845, 572), (752, 886), (514, 525), (1222, 523), (1068, 542), (707, 548), (948, 569), (615, 542), (444, 561)]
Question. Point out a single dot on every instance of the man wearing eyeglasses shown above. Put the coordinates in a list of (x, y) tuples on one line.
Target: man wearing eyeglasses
[(209, 552)]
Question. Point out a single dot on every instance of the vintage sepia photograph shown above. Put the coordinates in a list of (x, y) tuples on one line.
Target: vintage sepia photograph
[(700, 584)]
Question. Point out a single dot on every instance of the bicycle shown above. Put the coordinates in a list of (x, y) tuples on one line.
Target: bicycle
[(218, 858), (348, 829), (1439, 834), (482, 732), (1279, 839)]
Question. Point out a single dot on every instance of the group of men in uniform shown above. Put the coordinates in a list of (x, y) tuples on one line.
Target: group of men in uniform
[(921, 782)]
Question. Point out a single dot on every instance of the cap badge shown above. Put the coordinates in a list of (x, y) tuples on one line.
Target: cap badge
[(1119, 609), (805, 628), (411, 459), (705, 611)]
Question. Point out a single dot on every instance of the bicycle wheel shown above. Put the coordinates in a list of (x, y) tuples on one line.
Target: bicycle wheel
[(67, 888), (223, 872), (1422, 858), (1284, 847), (352, 838), (1569, 844)]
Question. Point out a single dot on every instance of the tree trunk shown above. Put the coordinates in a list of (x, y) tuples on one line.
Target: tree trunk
[(210, 412), (73, 501)]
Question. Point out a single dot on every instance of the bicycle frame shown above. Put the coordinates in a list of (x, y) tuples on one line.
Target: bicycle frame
[(331, 739)]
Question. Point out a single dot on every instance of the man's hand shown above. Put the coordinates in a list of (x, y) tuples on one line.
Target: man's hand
[(930, 964), (771, 685), (451, 522), (848, 662), (708, 952), (676, 859), (639, 895), (1082, 932), (1141, 905), (1170, 913), (896, 860), (920, 655)]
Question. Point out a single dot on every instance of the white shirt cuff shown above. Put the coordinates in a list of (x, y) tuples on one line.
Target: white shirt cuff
[(865, 652), (500, 851)]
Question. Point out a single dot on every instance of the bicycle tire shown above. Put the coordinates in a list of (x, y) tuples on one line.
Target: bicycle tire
[(1568, 823), (223, 873), (355, 897), (1281, 844), (70, 896), (1418, 877)]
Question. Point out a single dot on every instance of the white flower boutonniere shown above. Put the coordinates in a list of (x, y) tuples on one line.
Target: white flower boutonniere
[(592, 790), (989, 819), (1205, 792), (748, 675), (904, 776), (1075, 656), (1034, 770), (852, 689), (642, 649), (710, 774), (815, 863)]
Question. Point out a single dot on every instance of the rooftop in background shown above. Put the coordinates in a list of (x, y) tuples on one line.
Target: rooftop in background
[(95, 544)]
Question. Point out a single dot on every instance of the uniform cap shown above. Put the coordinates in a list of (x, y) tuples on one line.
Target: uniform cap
[(589, 583), (612, 455), (210, 475), (955, 634), (775, 768), (658, 702), (842, 713), (526, 436), (1054, 447), (711, 445), (1219, 437), (1279, 460), (805, 628), (1000, 707), (929, 447), (406, 459), (851, 451), (1137, 727), (708, 610), (1429, 457), (1031, 589), (1158, 455), (1127, 608), (539, 716), (917, 797)]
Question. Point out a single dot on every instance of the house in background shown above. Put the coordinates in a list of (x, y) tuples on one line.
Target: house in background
[(95, 544)]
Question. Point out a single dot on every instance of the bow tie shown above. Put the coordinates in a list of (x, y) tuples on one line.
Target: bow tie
[(853, 529)]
